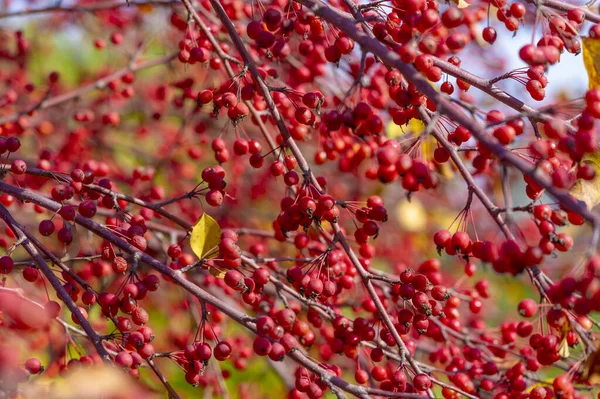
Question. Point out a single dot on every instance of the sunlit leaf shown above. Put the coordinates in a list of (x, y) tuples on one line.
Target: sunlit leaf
[(563, 349), (444, 169), (588, 191), (545, 383), (145, 8), (414, 127), (461, 3), (591, 369), (591, 60), (393, 131), (218, 273), (411, 215), (428, 145), (205, 237)]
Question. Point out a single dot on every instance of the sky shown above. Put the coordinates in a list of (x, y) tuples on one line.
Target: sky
[(569, 73)]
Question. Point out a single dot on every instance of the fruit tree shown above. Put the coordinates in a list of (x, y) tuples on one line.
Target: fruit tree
[(299, 198)]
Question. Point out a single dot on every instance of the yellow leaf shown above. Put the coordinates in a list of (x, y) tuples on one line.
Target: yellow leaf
[(591, 370), (545, 383), (414, 126), (588, 191), (591, 60), (206, 236), (393, 131), (217, 272), (461, 3), (563, 349), (428, 144), (444, 170), (145, 8), (411, 215)]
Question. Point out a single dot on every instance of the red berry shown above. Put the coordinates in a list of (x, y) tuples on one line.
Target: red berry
[(6, 264), (528, 307), (489, 34), (222, 351), (87, 209), (33, 365)]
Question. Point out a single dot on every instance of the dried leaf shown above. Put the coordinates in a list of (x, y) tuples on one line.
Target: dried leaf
[(591, 60), (206, 236), (591, 369), (588, 191)]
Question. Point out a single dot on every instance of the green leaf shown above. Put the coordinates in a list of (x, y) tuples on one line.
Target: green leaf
[(206, 236)]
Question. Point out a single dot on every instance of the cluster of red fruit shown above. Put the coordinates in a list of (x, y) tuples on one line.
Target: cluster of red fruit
[(196, 356), (236, 110), (229, 251), (308, 206), (362, 120), (562, 37), (195, 47), (328, 274), (214, 176), (510, 15), (584, 140), (416, 173), (251, 287), (309, 385), (509, 257)]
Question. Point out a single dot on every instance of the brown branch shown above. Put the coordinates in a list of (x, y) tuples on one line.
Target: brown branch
[(226, 58), (180, 280), (156, 207), (19, 231), (468, 177), (447, 108), (222, 15), (163, 380), (99, 84), (452, 111), (103, 5), (565, 7)]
